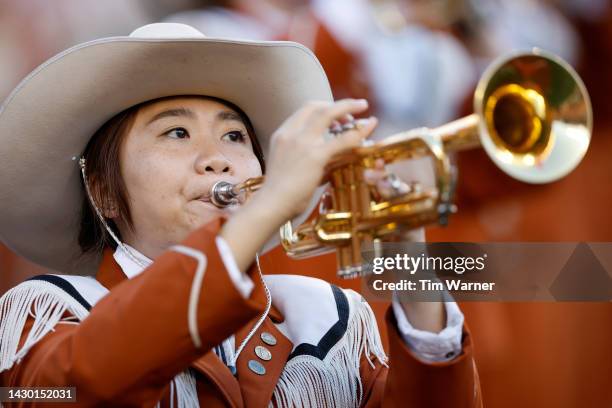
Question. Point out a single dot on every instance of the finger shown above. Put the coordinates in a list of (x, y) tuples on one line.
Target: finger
[(322, 116), (384, 189), (336, 127), (373, 176), (387, 190), (344, 108), (343, 124), (351, 138), (348, 118)]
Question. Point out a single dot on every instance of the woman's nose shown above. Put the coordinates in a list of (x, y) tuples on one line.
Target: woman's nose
[(215, 165)]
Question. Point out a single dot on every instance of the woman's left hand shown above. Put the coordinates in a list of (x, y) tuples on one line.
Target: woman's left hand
[(386, 183), (427, 316)]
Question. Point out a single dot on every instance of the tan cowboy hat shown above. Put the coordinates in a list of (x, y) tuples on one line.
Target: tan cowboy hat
[(48, 119)]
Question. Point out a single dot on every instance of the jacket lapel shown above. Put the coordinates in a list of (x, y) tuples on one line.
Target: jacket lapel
[(257, 388), (217, 372)]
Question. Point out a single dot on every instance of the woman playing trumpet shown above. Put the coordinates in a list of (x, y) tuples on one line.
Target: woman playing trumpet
[(161, 300)]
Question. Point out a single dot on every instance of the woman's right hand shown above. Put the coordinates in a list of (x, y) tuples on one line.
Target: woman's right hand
[(300, 149)]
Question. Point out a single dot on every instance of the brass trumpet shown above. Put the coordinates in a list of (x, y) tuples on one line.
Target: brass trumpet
[(532, 116)]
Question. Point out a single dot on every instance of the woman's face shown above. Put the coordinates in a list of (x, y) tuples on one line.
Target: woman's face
[(175, 151)]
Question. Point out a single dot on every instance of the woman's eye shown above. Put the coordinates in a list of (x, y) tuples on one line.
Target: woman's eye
[(235, 136), (177, 133)]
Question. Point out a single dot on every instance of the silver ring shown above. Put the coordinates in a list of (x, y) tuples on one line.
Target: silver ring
[(345, 127)]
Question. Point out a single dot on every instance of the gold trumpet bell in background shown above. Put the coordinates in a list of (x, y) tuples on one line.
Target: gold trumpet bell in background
[(533, 118), (536, 116)]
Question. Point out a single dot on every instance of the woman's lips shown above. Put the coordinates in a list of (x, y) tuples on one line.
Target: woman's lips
[(209, 204)]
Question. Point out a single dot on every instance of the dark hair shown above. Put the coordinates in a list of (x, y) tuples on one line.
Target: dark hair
[(104, 175)]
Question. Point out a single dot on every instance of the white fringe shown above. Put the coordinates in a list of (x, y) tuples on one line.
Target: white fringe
[(229, 348), (307, 381), (186, 390), (46, 303)]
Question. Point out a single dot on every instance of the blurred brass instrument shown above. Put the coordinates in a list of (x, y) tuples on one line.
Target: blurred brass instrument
[(532, 116)]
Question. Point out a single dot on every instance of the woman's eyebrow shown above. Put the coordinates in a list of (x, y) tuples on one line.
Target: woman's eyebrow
[(229, 115), (172, 113)]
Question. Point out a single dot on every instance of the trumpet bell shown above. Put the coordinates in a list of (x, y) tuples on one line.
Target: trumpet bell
[(535, 116)]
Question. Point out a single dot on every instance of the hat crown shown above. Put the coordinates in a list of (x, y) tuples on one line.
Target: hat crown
[(166, 31)]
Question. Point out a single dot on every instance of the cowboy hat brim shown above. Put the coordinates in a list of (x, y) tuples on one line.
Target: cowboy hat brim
[(48, 119)]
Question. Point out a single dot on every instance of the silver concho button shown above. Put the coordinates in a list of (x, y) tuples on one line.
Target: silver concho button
[(263, 353), (256, 367), (269, 339)]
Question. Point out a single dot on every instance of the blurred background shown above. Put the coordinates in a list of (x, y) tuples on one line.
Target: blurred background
[(417, 61)]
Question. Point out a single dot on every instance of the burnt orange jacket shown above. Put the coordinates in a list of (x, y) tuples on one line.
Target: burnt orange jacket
[(136, 339)]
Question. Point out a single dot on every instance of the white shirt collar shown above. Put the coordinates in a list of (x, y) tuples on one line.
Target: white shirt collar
[(130, 267)]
